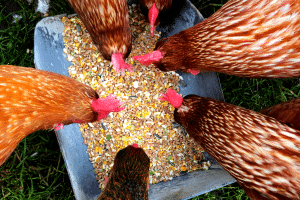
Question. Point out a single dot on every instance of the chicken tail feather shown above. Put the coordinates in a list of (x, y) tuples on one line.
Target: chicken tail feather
[(287, 112)]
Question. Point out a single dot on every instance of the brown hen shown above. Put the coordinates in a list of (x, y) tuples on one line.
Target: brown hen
[(32, 99), (129, 177), (107, 21), (287, 112), (261, 153), (254, 38)]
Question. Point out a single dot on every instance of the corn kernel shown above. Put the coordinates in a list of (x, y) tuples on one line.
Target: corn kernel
[(84, 73), (194, 158), (85, 126), (63, 19), (183, 168), (101, 141)]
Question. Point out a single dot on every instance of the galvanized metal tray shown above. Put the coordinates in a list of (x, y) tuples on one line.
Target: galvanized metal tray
[(48, 55)]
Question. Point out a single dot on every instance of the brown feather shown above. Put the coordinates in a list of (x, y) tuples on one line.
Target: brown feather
[(251, 38), (107, 22), (253, 194), (258, 151), (286, 112), (161, 5), (129, 177), (32, 99)]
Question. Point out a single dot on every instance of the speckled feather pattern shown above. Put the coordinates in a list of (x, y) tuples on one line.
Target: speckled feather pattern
[(107, 21), (247, 38), (129, 177), (32, 99), (262, 154), (286, 112)]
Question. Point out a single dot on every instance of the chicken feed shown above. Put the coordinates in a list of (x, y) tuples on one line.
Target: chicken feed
[(145, 120)]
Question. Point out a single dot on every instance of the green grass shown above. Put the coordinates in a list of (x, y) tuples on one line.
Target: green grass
[(36, 169)]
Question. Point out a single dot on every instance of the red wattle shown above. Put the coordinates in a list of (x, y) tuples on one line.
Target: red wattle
[(105, 180), (194, 72), (58, 126), (106, 105), (153, 13), (119, 63), (172, 97), (149, 58), (135, 145)]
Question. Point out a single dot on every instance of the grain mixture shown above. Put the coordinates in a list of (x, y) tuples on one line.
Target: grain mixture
[(145, 120)]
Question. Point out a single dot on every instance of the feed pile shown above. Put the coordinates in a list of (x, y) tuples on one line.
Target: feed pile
[(145, 120)]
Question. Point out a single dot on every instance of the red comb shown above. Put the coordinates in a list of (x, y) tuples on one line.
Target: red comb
[(194, 72), (172, 97), (58, 126), (153, 13), (119, 63), (106, 105), (149, 58), (105, 180), (135, 145)]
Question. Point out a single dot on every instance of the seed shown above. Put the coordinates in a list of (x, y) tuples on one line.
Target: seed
[(103, 126), (157, 136), (175, 125), (133, 97), (171, 163), (183, 131)]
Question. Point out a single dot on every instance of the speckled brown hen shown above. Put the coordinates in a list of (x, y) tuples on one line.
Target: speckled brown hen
[(261, 153), (152, 9), (287, 112), (253, 38), (107, 21), (32, 99), (129, 177)]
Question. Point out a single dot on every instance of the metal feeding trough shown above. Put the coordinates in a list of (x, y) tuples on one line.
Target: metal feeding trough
[(48, 55)]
